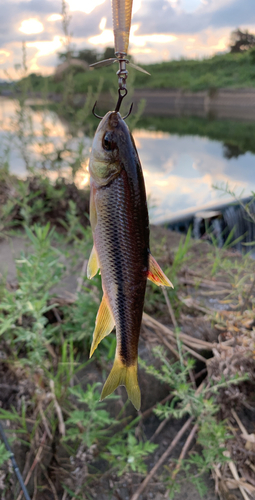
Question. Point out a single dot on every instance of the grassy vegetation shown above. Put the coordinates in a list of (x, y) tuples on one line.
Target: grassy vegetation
[(46, 339), (228, 71), (221, 71)]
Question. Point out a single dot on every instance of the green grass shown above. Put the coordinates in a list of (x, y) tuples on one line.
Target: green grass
[(227, 70)]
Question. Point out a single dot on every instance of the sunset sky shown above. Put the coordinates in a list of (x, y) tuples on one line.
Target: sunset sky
[(161, 29)]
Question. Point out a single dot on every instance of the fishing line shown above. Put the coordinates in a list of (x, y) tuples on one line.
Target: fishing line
[(14, 463)]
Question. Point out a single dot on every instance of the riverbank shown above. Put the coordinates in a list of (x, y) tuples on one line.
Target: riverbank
[(232, 104), (233, 71), (49, 391)]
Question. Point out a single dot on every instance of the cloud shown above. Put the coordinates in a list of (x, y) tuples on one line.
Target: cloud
[(160, 16), (14, 14), (31, 26), (234, 14), (54, 17), (86, 6), (161, 29)]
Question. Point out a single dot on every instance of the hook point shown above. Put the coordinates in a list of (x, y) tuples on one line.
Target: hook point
[(93, 111), (129, 113)]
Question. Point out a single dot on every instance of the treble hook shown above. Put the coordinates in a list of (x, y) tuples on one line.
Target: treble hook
[(93, 112), (120, 99)]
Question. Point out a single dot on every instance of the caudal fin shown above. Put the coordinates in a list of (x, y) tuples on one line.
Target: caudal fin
[(123, 375)]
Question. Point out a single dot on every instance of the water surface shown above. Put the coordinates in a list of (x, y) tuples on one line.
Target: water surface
[(179, 171)]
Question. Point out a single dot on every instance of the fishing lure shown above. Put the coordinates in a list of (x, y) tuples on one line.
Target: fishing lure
[(121, 19)]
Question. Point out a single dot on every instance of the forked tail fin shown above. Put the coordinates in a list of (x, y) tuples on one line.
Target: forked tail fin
[(123, 375)]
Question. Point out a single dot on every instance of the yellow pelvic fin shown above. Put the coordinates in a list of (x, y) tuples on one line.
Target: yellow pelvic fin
[(104, 324), (123, 375), (93, 263), (156, 275)]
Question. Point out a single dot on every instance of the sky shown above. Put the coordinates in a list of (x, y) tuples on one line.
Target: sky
[(160, 30)]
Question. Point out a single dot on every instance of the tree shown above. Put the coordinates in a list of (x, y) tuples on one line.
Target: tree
[(89, 55), (241, 40), (108, 53)]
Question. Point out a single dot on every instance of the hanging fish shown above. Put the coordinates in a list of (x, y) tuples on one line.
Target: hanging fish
[(120, 225)]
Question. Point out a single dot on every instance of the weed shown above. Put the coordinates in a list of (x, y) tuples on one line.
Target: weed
[(87, 425), (225, 189), (4, 454), (129, 455), (181, 255), (22, 313), (200, 403)]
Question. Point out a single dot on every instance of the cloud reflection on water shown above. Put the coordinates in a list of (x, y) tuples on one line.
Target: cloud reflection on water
[(180, 171)]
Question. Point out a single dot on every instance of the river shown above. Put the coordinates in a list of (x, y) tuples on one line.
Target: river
[(179, 170)]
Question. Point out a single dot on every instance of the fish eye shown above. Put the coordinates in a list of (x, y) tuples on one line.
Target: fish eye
[(108, 143)]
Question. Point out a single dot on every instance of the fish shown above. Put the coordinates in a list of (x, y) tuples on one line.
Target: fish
[(120, 228)]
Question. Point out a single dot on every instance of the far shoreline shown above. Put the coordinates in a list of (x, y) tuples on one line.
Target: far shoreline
[(223, 103)]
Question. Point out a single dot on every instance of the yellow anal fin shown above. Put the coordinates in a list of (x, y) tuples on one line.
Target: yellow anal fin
[(104, 324), (93, 264), (123, 375), (156, 275)]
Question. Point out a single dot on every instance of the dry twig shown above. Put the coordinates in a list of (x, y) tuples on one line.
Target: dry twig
[(160, 428), (184, 450), (146, 413), (235, 474), (61, 425), (170, 309), (162, 459), (52, 487), (81, 277), (44, 419), (35, 462), (186, 339)]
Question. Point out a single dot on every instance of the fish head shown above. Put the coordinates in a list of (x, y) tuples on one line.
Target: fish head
[(105, 160)]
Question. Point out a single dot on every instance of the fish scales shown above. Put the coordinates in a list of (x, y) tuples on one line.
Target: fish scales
[(123, 258), (120, 226)]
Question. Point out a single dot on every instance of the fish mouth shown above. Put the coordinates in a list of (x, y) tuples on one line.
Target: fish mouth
[(114, 119), (110, 121)]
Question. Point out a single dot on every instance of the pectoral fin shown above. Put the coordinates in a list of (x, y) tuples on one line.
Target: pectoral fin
[(156, 275), (104, 324), (93, 264)]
